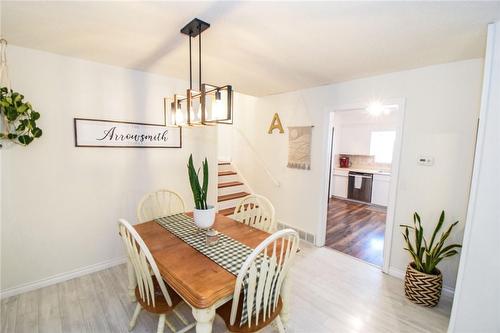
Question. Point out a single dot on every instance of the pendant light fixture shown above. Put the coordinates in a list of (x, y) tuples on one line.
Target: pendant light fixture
[(209, 104)]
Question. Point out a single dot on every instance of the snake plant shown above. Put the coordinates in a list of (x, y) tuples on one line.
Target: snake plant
[(199, 191), (426, 255)]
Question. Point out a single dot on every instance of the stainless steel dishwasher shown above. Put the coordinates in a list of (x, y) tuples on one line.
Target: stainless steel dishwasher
[(360, 186)]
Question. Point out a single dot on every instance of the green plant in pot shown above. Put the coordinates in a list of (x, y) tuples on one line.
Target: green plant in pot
[(423, 280), (18, 118), (204, 214)]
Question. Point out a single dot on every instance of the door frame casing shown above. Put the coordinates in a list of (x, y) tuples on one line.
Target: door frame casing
[(398, 144)]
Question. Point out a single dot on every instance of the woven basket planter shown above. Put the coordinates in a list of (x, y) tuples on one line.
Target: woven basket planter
[(421, 288)]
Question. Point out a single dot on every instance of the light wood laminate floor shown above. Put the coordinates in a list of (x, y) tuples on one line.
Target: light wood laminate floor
[(356, 229), (331, 292)]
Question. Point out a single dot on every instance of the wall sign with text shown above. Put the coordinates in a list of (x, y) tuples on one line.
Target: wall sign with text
[(121, 134)]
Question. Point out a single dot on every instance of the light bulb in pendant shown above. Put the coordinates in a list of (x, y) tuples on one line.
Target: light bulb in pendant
[(191, 113), (218, 109), (198, 113), (172, 113), (179, 117)]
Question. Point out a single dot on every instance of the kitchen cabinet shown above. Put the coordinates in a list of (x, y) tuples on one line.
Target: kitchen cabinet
[(380, 189), (353, 140), (340, 183)]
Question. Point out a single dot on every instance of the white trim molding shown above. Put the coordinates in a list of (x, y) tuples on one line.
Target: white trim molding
[(61, 277), (476, 305), (320, 237)]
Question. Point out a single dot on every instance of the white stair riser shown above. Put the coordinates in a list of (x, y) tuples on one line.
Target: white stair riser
[(230, 178), (229, 203), (225, 167), (231, 189)]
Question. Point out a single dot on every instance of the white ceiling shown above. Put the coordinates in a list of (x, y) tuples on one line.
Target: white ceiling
[(260, 48)]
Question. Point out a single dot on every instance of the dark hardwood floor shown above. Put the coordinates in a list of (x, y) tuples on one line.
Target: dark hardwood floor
[(356, 229)]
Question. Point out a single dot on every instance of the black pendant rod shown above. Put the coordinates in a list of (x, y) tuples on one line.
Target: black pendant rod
[(199, 56), (190, 66), (194, 29)]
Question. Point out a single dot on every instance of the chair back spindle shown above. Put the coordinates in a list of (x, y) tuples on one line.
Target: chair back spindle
[(263, 284), (159, 204), (256, 211), (143, 263)]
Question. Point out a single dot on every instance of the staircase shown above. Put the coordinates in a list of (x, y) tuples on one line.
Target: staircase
[(231, 189)]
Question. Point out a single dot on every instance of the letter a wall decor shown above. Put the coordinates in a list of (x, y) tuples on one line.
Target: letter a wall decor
[(276, 124)]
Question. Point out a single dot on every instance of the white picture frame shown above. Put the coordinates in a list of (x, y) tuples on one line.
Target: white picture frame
[(122, 134)]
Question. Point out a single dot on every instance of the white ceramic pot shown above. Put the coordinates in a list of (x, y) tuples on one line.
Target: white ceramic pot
[(204, 218)]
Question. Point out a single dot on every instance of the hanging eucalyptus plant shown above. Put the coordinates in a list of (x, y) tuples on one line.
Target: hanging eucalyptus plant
[(18, 118)]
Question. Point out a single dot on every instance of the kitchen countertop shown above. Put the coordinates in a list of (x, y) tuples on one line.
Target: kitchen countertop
[(373, 171)]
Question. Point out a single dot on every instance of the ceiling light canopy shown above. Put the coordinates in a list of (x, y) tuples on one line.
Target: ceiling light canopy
[(209, 104)]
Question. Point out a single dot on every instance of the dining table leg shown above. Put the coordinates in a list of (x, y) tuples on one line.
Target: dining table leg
[(204, 319), (132, 282)]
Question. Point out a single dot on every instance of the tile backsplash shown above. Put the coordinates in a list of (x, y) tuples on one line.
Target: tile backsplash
[(363, 162)]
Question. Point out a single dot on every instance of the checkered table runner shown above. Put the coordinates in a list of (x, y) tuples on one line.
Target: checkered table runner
[(227, 253)]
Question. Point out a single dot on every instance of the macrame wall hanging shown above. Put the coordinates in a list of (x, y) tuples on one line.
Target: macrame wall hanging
[(300, 141), (299, 147)]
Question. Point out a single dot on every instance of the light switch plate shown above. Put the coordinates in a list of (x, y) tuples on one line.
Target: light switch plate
[(425, 160)]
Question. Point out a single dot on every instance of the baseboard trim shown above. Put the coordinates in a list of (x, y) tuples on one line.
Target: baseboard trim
[(303, 235), (447, 292), (61, 277)]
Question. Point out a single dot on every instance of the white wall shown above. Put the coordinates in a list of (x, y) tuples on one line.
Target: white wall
[(476, 307), (61, 203), (442, 105), (224, 131)]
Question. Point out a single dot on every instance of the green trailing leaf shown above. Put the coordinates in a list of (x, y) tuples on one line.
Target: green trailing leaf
[(18, 118), (23, 108), (25, 139), (426, 255), (11, 114), (21, 127), (37, 132)]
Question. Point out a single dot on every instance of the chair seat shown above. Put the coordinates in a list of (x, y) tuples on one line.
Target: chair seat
[(224, 312), (161, 305)]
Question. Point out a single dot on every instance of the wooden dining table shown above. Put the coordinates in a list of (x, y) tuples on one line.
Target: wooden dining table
[(202, 283)]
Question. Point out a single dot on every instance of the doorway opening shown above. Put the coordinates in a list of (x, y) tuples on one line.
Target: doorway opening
[(363, 163)]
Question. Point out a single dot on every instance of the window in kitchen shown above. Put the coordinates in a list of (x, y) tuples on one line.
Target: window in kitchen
[(382, 145)]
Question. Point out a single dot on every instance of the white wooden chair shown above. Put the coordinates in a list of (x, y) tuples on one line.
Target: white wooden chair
[(152, 293), (159, 204), (277, 253), (256, 211)]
